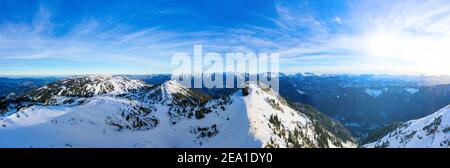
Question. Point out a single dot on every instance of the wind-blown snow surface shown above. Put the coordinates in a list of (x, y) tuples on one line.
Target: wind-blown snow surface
[(432, 131), (166, 115)]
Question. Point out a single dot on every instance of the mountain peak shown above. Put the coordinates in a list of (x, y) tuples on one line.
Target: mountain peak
[(173, 87), (87, 86), (172, 91)]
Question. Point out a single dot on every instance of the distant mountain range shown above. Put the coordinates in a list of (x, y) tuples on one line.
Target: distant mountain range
[(365, 103), (10, 87)]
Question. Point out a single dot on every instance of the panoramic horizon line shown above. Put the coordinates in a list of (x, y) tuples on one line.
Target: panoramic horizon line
[(284, 73)]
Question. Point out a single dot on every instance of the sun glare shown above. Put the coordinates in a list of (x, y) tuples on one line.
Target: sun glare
[(383, 44), (428, 54)]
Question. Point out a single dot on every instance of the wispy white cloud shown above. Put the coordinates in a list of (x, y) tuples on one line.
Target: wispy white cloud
[(88, 41), (381, 36)]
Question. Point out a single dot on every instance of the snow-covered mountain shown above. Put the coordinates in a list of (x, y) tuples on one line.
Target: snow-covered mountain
[(432, 131), (114, 111), (87, 86)]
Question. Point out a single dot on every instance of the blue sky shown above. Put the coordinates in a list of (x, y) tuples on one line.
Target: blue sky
[(139, 37)]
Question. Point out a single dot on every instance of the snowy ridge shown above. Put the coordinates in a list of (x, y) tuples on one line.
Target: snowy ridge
[(88, 86), (169, 90), (172, 87), (432, 131), (166, 115), (263, 106), (276, 124)]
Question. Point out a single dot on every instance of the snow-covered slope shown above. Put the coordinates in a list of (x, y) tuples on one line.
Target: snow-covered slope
[(432, 131), (276, 124), (166, 115)]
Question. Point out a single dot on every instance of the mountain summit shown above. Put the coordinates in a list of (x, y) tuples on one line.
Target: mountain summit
[(88, 86)]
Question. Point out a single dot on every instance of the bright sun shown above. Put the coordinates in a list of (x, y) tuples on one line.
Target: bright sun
[(408, 52)]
